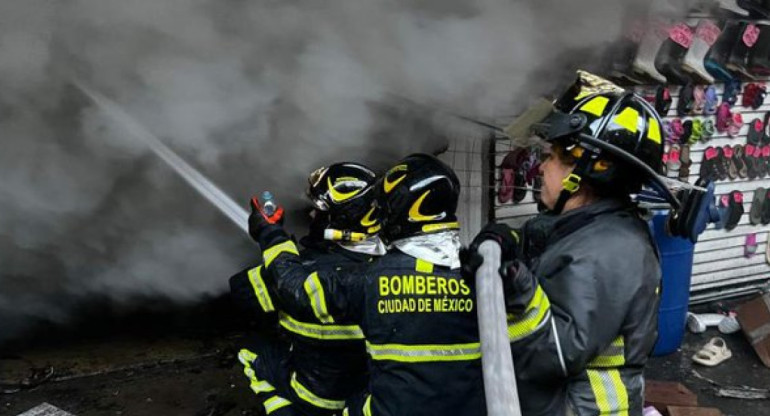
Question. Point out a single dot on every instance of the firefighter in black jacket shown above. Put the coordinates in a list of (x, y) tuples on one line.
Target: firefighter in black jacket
[(418, 315), (582, 282), (324, 363)]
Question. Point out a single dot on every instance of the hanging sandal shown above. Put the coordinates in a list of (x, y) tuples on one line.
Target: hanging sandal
[(712, 101), (734, 128), (697, 131), (739, 160), (713, 353), (708, 130)]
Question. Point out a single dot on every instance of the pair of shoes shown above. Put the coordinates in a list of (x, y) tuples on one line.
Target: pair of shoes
[(713, 353)]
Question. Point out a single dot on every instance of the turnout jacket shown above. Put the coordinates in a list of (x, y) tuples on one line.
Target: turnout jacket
[(328, 362), (419, 320), (591, 319)]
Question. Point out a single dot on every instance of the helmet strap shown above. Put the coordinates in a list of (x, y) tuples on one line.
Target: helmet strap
[(571, 183)]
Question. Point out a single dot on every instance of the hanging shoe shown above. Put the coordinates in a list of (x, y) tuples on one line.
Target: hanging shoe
[(708, 130), (719, 53), (706, 34), (671, 54), (738, 60), (759, 58), (734, 128), (739, 160), (755, 213), (724, 117), (756, 131), (644, 62), (730, 94), (712, 101), (736, 210), (686, 102)]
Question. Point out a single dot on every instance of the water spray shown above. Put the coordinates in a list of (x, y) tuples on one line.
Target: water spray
[(197, 180)]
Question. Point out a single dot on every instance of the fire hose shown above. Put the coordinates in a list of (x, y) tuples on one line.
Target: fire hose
[(502, 396)]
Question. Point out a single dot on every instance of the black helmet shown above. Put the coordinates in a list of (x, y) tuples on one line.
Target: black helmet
[(342, 192), (614, 134), (418, 196)]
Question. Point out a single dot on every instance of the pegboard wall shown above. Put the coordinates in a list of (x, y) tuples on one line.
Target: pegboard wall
[(721, 267)]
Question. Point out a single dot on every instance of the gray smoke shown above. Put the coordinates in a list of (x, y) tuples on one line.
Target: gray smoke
[(256, 94)]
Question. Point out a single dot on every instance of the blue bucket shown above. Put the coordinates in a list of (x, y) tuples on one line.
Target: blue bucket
[(676, 261)]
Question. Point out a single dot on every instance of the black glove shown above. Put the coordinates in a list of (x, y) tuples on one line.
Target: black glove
[(502, 234), (267, 231)]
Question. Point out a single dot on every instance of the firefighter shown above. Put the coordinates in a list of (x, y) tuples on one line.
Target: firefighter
[(322, 364), (581, 280), (417, 313)]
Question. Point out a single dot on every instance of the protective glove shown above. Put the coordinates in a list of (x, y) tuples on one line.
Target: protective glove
[(267, 231), (518, 282), (501, 234)]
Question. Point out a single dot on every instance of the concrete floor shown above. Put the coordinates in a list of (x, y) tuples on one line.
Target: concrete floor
[(743, 369)]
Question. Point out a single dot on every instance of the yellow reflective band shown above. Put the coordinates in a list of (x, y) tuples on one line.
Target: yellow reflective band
[(610, 392), (653, 131), (424, 353), (311, 398), (416, 216), (428, 228), (340, 196), (246, 357), (534, 317), (260, 289), (368, 406), (261, 387), (423, 266), (612, 356), (596, 106), (628, 119), (367, 221), (388, 185), (274, 403), (317, 298), (322, 332), (271, 253)]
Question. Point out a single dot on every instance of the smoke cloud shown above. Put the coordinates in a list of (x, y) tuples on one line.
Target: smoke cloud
[(256, 94)]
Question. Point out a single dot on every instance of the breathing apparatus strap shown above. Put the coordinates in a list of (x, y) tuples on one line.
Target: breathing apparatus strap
[(571, 183)]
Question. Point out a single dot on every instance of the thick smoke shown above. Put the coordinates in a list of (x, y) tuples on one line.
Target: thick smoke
[(256, 94)]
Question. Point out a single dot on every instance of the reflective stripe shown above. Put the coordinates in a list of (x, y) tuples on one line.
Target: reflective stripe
[(610, 392), (557, 340), (535, 316), (423, 266), (260, 289), (322, 332), (612, 356), (261, 386), (424, 353), (271, 253), (315, 292), (247, 357), (274, 403), (368, 406), (311, 398), (596, 106)]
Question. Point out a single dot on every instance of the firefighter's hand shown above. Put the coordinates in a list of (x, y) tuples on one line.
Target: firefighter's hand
[(500, 233), (260, 224)]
